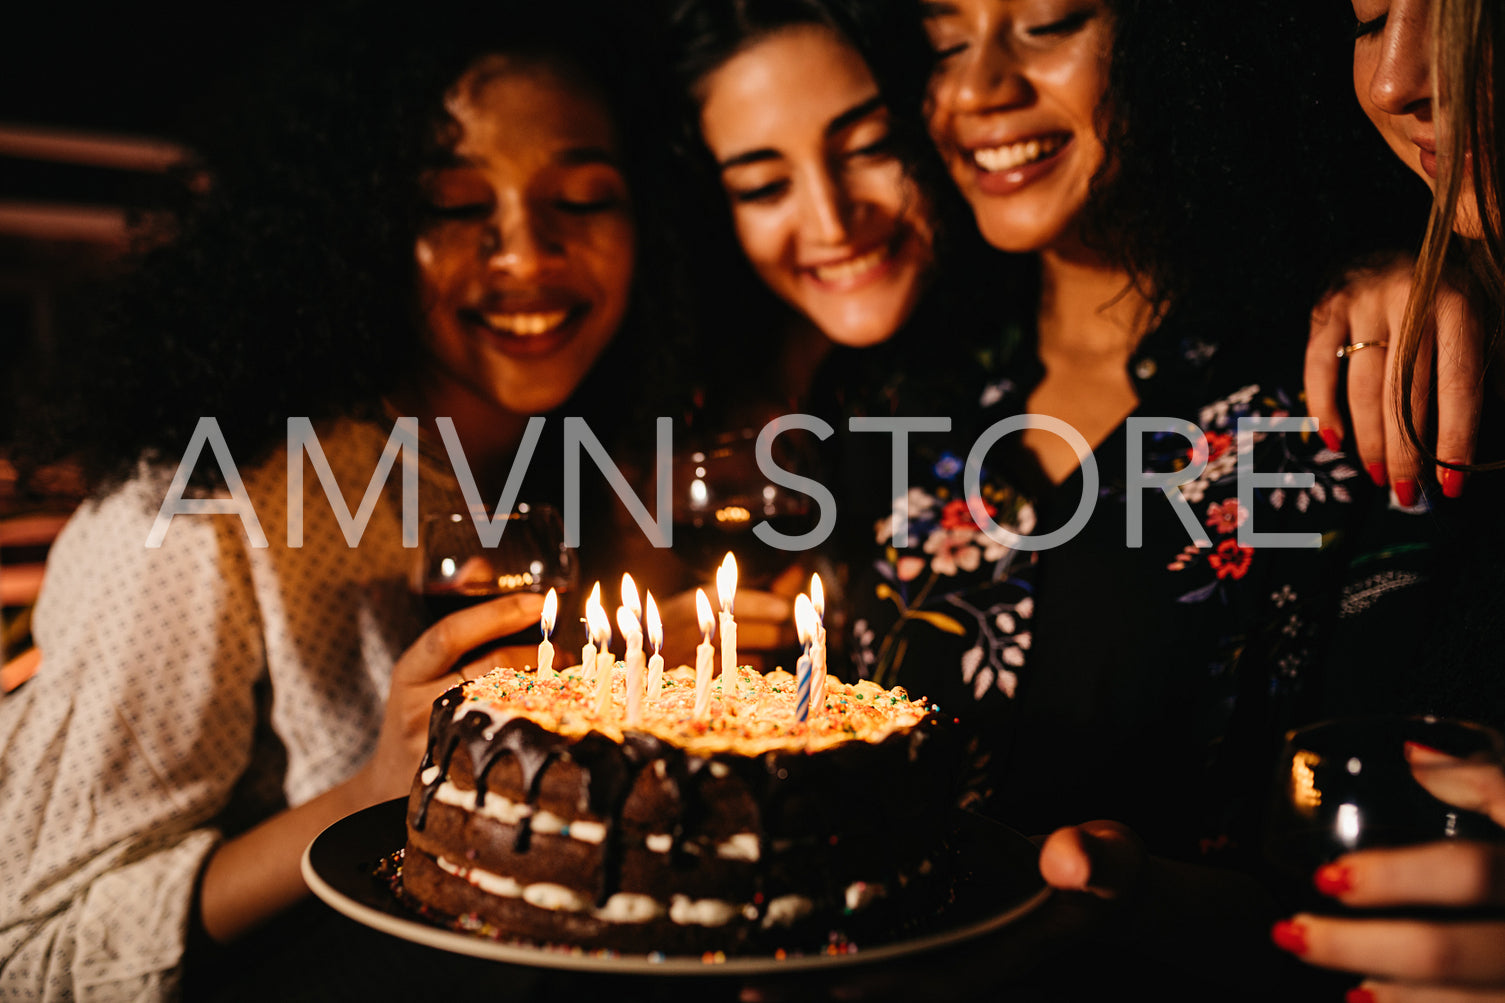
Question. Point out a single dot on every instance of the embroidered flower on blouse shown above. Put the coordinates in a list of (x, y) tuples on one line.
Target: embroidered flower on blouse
[(1230, 560), (1226, 516), (948, 466)]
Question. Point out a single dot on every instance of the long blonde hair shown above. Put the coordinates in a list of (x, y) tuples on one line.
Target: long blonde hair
[(1465, 41)]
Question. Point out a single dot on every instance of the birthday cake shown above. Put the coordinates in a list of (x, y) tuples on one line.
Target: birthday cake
[(540, 814)]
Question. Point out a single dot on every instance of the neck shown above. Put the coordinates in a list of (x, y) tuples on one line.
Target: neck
[(805, 347), (488, 434), (1089, 307)]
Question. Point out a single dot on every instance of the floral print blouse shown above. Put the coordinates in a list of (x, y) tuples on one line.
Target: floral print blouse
[(1103, 679)]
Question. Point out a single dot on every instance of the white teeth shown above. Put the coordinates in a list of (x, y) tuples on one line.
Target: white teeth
[(851, 268), (527, 324), (1006, 158)]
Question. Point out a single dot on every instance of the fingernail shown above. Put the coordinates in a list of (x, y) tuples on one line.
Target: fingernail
[(1359, 994), (1451, 481), (1333, 879), (1418, 749), (1378, 474), (1331, 439), (1405, 492), (1289, 936)]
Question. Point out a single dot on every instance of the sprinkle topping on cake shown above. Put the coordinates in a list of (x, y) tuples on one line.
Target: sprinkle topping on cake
[(748, 715)]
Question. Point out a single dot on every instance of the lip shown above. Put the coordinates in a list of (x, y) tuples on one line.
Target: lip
[(1426, 150), (527, 329), (1012, 179), (887, 257), (1427, 153)]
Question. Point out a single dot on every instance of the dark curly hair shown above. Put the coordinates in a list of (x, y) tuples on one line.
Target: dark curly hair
[(288, 288)]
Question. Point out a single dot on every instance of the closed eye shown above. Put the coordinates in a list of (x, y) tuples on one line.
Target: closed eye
[(586, 207), (1374, 26), (763, 193), (1065, 26)]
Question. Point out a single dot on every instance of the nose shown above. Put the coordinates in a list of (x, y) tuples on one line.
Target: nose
[(517, 242), (826, 209), (983, 77), (1402, 81)]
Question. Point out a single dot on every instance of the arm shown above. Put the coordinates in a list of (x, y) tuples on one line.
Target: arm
[(255, 876)]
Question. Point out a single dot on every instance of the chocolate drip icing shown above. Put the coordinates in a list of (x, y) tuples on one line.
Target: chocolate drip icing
[(797, 795)]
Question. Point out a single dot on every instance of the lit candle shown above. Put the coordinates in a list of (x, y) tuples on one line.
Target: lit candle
[(726, 589), (818, 644), (703, 654), (546, 624), (656, 663), (601, 634), (630, 600), (804, 624), (588, 653), (629, 627)]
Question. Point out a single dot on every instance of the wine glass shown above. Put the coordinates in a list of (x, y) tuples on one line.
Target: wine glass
[(1346, 784), (455, 568), (720, 495)]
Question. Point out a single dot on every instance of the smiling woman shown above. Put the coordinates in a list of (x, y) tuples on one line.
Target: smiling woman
[(821, 203), (525, 253), (1027, 174), (416, 221)]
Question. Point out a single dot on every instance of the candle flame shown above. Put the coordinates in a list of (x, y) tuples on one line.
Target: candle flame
[(595, 618), (726, 582), (630, 597), (655, 625), (703, 611), (817, 596), (550, 608), (804, 618), (626, 622)]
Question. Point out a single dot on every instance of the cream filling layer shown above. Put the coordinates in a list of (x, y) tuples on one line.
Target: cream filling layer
[(629, 907), (739, 846), (511, 812)]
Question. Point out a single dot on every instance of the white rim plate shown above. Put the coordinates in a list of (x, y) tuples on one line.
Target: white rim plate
[(338, 866)]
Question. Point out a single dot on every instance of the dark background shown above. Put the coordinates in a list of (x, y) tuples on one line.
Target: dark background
[(151, 70)]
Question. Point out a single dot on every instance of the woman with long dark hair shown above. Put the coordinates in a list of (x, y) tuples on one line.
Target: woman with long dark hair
[(1427, 73)]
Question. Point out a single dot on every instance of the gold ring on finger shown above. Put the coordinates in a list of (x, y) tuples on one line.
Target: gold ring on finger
[(1359, 346)]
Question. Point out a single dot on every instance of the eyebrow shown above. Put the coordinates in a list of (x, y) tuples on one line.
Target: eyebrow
[(846, 119), (936, 8)]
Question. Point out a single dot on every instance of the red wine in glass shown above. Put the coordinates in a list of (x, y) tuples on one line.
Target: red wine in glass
[(456, 570)]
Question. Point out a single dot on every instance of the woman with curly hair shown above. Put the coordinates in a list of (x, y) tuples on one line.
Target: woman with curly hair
[(430, 218), (1126, 594)]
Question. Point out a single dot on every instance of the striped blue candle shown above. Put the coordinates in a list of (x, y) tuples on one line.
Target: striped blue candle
[(802, 678)]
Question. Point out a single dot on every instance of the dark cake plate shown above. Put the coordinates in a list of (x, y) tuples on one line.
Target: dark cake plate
[(999, 885)]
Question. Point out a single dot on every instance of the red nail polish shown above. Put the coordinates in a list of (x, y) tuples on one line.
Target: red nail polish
[(1405, 492), (1289, 936), (1378, 474), (1331, 439), (1417, 749), (1452, 482), (1333, 879), (1359, 994)]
